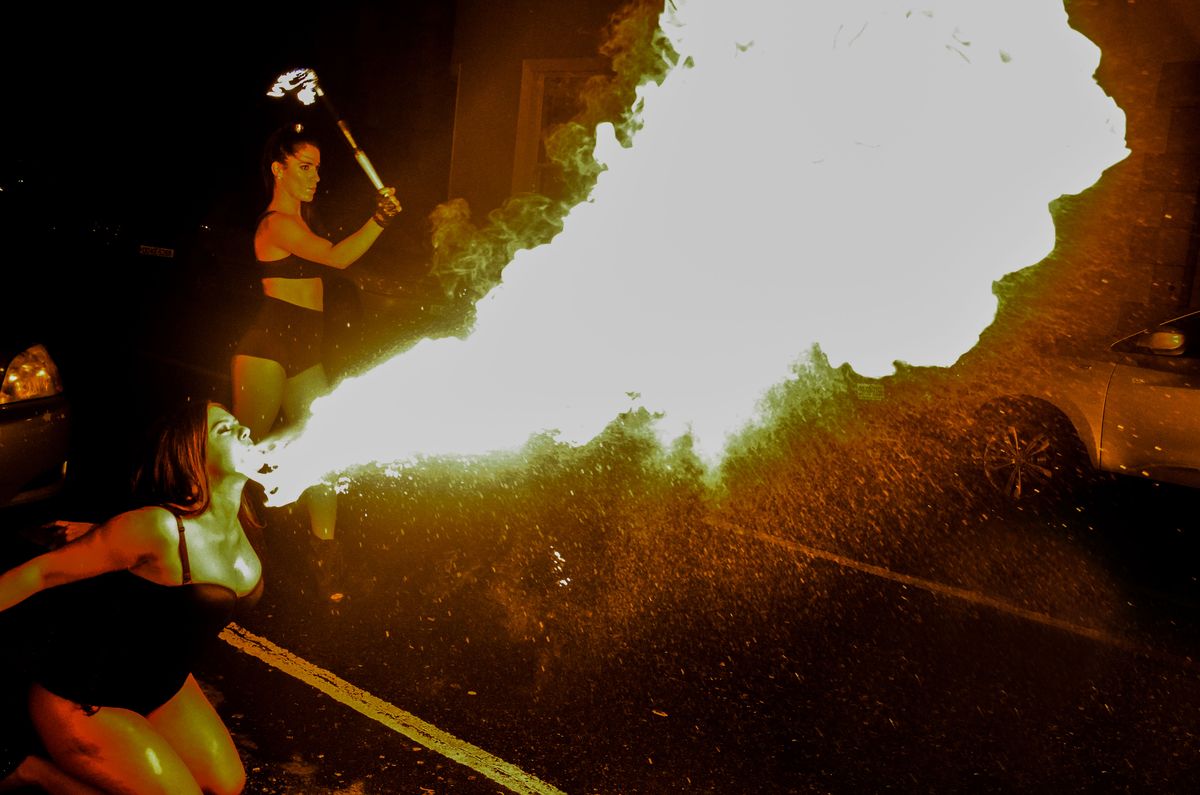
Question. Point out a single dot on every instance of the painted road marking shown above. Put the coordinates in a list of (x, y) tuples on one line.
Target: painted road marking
[(381, 711), (974, 597)]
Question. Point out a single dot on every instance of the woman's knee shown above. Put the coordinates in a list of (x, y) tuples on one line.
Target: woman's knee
[(197, 733), (225, 778), (258, 388)]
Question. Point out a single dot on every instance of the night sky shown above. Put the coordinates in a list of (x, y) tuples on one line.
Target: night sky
[(123, 130), (149, 119)]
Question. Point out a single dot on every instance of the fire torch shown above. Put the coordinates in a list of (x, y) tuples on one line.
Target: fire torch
[(303, 82)]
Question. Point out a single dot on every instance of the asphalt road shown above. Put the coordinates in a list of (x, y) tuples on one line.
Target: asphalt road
[(1025, 656), (589, 624)]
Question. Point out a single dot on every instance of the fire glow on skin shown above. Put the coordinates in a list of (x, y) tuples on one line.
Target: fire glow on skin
[(848, 174)]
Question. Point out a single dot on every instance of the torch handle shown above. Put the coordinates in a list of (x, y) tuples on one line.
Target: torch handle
[(369, 169), (359, 154)]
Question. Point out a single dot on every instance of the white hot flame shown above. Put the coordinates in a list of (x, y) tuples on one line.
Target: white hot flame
[(850, 173), (301, 81)]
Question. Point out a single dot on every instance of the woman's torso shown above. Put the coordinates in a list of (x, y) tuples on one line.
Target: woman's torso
[(286, 276), (121, 639)]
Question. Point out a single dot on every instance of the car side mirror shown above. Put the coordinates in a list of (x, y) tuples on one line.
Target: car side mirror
[(1162, 342)]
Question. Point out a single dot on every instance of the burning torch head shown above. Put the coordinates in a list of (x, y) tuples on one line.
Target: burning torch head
[(304, 83), (301, 82)]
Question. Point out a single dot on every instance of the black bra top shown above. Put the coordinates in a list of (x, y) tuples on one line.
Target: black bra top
[(219, 597), (289, 267), (121, 640)]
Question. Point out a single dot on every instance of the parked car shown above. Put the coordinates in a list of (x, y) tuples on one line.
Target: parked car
[(35, 423), (1133, 410)]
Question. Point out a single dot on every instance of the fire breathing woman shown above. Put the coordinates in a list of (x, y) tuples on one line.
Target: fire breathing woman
[(276, 369), (129, 608)]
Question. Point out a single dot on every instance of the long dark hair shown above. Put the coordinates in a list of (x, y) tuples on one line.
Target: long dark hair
[(174, 474)]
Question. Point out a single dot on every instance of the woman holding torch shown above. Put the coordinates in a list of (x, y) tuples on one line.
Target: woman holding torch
[(276, 368)]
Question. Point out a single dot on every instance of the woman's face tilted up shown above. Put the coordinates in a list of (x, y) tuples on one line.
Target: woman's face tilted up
[(228, 443), (298, 175)]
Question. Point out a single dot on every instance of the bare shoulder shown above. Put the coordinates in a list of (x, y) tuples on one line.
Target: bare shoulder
[(142, 537), (282, 231), (276, 221), (150, 528)]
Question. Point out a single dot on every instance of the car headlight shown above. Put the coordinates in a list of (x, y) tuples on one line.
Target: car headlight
[(31, 374)]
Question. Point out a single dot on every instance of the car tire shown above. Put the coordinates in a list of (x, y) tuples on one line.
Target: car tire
[(1027, 457)]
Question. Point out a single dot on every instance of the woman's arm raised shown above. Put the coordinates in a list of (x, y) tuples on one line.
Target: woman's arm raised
[(290, 234)]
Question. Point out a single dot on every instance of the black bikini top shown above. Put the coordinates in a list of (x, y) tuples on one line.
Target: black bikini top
[(119, 639), (220, 597), (289, 267)]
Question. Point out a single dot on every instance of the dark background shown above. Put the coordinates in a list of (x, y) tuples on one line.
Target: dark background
[(130, 183), (148, 119)]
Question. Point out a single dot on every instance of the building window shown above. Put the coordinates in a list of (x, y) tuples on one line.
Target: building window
[(550, 96)]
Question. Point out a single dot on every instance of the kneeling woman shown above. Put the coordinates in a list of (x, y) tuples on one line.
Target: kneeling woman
[(114, 702)]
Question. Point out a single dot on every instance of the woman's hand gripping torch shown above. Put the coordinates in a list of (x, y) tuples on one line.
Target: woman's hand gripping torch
[(303, 83)]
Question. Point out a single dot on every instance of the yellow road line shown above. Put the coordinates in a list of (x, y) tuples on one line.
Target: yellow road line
[(974, 597), (377, 709)]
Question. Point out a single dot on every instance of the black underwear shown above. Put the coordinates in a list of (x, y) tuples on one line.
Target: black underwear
[(119, 640), (285, 333)]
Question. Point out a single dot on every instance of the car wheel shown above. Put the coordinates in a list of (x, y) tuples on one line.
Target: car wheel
[(1028, 455)]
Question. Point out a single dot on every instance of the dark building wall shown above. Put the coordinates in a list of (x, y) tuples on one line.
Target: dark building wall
[(491, 39), (1150, 64), (400, 60)]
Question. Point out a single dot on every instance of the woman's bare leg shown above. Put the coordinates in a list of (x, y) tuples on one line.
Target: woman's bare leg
[(46, 777), (258, 387), (113, 749), (197, 733), (298, 394)]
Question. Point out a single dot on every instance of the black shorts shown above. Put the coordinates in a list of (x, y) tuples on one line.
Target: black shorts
[(285, 333)]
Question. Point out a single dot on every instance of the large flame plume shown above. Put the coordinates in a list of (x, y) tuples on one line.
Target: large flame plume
[(853, 175)]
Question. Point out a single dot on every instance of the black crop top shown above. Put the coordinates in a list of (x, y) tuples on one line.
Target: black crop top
[(289, 267), (121, 640)]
